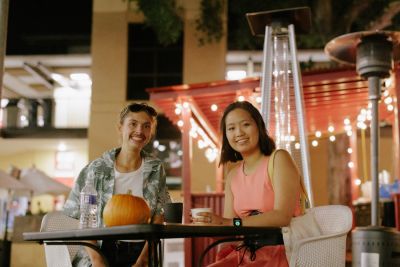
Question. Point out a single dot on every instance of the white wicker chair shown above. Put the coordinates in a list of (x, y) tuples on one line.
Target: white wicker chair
[(328, 249), (59, 255)]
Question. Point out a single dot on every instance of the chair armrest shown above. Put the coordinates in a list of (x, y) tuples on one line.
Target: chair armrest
[(321, 237), (327, 247)]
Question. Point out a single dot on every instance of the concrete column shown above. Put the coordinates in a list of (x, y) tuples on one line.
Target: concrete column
[(109, 71), (201, 63)]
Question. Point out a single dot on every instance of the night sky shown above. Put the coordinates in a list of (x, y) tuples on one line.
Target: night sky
[(49, 27)]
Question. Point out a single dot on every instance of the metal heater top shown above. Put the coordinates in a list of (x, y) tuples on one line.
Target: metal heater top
[(300, 17)]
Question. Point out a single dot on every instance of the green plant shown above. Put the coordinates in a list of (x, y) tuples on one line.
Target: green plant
[(163, 17), (210, 22)]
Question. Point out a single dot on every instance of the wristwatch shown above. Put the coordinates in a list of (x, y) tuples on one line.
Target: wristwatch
[(237, 222)]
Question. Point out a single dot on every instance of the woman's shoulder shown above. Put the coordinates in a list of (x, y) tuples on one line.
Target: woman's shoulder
[(232, 169), (149, 156), (231, 166), (282, 158), (280, 154)]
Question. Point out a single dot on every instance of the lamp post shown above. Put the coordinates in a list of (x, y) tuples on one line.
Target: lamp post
[(373, 53), (281, 79)]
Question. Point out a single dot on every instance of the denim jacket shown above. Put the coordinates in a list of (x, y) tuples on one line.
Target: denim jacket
[(101, 170)]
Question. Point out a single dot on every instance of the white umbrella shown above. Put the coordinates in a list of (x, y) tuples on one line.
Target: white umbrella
[(41, 183), (9, 182)]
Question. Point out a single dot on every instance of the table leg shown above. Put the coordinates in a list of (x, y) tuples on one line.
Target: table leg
[(155, 253), (160, 252)]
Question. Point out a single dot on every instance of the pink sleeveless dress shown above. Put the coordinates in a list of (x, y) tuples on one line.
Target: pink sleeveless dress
[(250, 193)]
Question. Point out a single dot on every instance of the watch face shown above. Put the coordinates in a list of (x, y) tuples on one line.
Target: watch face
[(237, 222)]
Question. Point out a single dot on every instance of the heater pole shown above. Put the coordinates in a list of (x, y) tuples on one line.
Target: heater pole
[(374, 96)]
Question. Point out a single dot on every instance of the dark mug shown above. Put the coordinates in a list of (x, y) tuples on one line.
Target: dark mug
[(173, 212)]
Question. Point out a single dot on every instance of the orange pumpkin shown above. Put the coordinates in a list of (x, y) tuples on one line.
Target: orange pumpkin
[(123, 209)]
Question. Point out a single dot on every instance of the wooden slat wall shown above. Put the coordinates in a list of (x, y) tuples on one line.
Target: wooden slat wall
[(216, 202)]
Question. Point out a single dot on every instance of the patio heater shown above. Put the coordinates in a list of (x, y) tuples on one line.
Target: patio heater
[(281, 86), (373, 53)]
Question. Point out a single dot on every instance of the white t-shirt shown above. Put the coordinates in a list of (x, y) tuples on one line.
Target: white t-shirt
[(133, 181)]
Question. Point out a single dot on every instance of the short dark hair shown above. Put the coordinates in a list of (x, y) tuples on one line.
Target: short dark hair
[(137, 107), (267, 145)]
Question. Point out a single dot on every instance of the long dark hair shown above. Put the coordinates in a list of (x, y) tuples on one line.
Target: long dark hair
[(267, 145)]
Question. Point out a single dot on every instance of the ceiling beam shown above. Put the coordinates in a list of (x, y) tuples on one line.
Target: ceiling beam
[(22, 89), (37, 71)]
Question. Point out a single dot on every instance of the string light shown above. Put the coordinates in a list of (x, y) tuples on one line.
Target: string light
[(156, 143), (361, 125), (385, 93), (388, 82), (350, 164), (349, 150), (318, 134), (241, 98), (214, 107), (357, 181), (388, 100), (161, 148), (332, 138), (314, 143)]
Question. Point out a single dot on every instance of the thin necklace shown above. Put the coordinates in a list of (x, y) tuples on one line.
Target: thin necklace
[(256, 164)]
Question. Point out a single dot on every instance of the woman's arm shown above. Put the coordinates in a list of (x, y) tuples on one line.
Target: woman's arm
[(228, 201), (286, 185), (229, 212)]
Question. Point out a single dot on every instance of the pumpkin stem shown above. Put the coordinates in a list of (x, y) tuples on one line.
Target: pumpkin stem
[(129, 192)]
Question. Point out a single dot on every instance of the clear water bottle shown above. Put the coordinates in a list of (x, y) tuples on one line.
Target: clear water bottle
[(88, 208)]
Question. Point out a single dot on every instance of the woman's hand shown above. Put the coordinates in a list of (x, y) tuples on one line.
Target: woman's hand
[(206, 217), (201, 217)]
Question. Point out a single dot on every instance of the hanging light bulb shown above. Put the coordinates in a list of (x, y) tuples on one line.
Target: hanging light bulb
[(241, 98), (314, 143)]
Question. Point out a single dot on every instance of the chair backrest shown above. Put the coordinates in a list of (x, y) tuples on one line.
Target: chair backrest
[(333, 219), (59, 255), (329, 248)]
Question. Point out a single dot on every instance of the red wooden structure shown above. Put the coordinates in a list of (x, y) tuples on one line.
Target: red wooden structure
[(330, 97)]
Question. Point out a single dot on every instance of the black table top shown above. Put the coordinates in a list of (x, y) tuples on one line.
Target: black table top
[(157, 231)]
